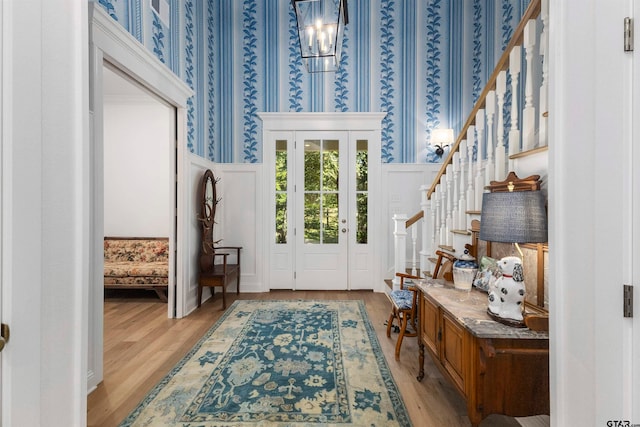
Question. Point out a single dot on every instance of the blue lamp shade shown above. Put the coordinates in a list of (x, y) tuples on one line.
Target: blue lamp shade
[(514, 217)]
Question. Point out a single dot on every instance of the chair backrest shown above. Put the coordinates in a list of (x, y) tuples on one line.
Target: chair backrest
[(444, 266), (442, 270)]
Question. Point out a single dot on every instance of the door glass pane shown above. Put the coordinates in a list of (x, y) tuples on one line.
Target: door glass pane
[(311, 165), (362, 165), (312, 218), (321, 167), (330, 164), (330, 218), (362, 201), (362, 193), (281, 165), (281, 218), (281, 192)]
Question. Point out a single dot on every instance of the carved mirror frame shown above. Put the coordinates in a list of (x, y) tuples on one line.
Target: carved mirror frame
[(208, 202)]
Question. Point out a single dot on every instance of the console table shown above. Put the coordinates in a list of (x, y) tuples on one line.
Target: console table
[(498, 369)]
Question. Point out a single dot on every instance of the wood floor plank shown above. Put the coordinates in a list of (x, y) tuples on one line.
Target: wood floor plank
[(141, 346)]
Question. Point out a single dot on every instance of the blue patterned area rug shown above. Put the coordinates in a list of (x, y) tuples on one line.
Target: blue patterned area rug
[(280, 363)]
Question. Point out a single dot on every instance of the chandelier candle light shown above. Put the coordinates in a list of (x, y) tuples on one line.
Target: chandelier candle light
[(320, 30)]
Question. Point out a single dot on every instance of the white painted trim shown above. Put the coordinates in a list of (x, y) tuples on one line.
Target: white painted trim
[(193, 167), (321, 121)]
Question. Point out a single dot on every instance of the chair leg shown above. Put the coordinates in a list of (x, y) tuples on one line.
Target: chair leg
[(392, 316), (199, 295), (224, 296), (238, 288), (403, 328)]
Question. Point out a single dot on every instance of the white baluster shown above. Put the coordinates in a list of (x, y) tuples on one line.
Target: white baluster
[(425, 228), (462, 204), (444, 232), (490, 109), (414, 242), (515, 60), (449, 175), (433, 205), (529, 112), (456, 190), (438, 198), (471, 195), (400, 247), (501, 88), (544, 89), (479, 185)]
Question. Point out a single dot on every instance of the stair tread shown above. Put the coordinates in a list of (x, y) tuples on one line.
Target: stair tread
[(463, 232)]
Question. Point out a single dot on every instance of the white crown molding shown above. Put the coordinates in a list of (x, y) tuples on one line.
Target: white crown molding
[(322, 121), (125, 51)]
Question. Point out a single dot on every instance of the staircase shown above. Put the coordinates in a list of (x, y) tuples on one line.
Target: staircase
[(485, 150)]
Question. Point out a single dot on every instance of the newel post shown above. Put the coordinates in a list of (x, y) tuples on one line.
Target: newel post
[(400, 247)]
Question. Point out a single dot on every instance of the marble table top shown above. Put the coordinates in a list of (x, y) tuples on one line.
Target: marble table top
[(470, 309)]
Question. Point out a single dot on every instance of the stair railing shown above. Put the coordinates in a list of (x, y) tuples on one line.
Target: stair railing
[(456, 192)]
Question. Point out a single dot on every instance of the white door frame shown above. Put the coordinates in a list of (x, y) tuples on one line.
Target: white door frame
[(590, 224), (45, 212), (282, 126), (110, 42), (633, 381)]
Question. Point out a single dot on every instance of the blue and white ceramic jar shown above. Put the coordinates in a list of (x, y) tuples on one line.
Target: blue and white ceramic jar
[(464, 271)]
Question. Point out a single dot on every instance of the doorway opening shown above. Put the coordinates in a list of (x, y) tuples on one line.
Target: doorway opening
[(139, 147)]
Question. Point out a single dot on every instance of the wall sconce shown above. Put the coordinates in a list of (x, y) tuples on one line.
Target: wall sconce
[(320, 32), (441, 139)]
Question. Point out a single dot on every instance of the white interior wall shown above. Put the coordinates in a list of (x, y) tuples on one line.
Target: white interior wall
[(137, 166)]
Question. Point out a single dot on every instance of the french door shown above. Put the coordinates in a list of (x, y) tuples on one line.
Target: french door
[(321, 211), (321, 200)]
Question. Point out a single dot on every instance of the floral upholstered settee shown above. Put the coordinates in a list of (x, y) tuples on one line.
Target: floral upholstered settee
[(137, 263)]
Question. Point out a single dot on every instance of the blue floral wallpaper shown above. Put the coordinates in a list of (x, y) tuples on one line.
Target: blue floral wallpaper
[(424, 62)]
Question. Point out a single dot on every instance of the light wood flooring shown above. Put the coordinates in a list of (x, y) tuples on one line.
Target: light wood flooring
[(141, 345)]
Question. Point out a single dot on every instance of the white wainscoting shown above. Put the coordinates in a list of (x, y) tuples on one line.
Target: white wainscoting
[(401, 195), (238, 222)]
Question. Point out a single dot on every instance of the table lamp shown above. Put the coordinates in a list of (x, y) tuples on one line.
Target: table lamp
[(512, 217)]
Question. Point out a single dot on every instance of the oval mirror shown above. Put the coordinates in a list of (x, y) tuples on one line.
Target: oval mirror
[(208, 196)]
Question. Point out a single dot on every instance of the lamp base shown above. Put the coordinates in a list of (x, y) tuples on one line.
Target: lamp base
[(509, 322)]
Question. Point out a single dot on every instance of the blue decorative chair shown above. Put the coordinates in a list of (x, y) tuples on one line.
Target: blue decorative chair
[(404, 304)]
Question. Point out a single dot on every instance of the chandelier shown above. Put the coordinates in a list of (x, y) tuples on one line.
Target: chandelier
[(320, 31)]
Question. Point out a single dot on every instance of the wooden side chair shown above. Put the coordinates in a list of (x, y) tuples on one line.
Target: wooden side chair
[(404, 301), (216, 267)]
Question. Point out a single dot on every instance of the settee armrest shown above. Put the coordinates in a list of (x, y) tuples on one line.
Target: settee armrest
[(229, 250)]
